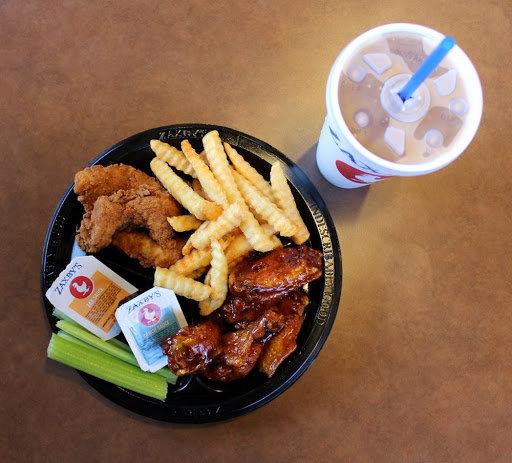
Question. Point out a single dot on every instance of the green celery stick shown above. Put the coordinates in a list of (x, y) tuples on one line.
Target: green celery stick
[(116, 349), (62, 316), (57, 313), (168, 374), (67, 336), (120, 344), (164, 372), (93, 340), (106, 367)]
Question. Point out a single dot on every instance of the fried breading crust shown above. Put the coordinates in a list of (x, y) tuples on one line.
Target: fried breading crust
[(93, 182), (127, 209), (120, 198), (138, 245)]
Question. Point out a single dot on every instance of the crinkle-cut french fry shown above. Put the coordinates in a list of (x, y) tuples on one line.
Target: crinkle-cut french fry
[(172, 156), (183, 223), (198, 272), (197, 259), (269, 230), (286, 202), (208, 277), (218, 280), (240, 247), (208, 181), (257, 216), (181, 285), (219, 272), (196, 186), (252, 230), (225, 223), (219, 165), (277, 242), (192, 261), (202, 155), (202, 209), (264, 207), (224, 174), (249, 172), (187, 247)]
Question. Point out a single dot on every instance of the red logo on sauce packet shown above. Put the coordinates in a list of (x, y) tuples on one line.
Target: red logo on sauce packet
[(81, 286), (149, 314), (88, 292)]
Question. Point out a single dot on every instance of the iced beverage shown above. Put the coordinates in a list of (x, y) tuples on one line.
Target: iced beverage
[(370, 133)]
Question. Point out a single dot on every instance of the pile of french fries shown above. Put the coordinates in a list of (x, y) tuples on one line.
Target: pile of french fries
[(233, 210)]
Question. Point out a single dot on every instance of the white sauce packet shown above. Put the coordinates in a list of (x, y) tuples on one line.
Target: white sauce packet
[(146, 321), (88, 292)]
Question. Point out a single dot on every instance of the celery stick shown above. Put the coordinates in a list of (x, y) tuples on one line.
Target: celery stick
[(120, 344), (117, 349), (93, 340), (164, 372), (62, 316), (67, 336), (106, 367), (57, 313), (168, 374)]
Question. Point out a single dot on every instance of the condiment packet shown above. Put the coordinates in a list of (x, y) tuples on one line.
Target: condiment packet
[(146, 321), (88, 292)]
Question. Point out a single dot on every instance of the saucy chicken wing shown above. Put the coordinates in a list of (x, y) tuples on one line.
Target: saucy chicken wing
[(219, 371), (280, 346), (239, 311), (193, 347), (275, 273), (262, 319)]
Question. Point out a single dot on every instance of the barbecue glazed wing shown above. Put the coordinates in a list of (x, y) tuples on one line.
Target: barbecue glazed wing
[(242, 348), (240, 312), (237, 344), (203, 349), (93, 182), (267, 312), (275, 273), (292, 303), (138, 245), (219, 371), (284, 343), (193, 347), (280, 346)]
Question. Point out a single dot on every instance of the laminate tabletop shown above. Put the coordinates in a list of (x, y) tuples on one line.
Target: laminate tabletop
[(418, 363)]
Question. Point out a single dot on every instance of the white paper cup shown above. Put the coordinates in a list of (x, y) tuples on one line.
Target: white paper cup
[(345, 162)]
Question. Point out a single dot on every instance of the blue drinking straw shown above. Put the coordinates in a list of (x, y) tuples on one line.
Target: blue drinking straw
[(427, 67)]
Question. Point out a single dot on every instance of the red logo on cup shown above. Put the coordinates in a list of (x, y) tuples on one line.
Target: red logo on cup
[(149, 314), (80, 287), (358, 176)]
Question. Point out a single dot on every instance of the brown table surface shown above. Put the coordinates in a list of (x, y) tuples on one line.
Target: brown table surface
[(418, 364)]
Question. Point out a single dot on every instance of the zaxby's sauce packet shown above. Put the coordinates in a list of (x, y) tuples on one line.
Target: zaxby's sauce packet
[(88, 292), (146, 321)]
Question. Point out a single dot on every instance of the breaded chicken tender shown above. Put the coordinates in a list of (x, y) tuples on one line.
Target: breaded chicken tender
[(121, 198)]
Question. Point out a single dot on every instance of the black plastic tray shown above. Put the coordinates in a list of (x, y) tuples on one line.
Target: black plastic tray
[(194, 400)]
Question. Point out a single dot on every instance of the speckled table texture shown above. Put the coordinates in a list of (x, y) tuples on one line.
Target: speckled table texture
[(418, 364)]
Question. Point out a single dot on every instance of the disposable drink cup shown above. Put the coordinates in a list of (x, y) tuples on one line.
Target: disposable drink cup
[(369, 134)]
